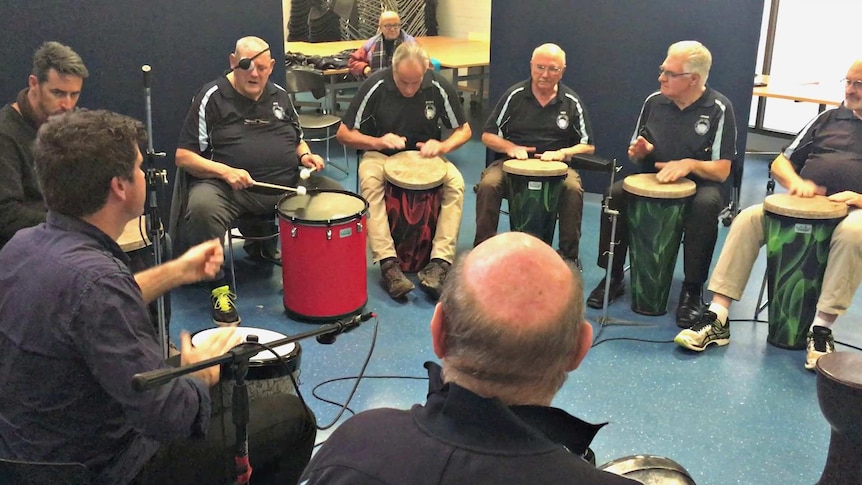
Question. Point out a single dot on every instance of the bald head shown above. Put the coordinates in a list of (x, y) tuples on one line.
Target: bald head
[(550, 50), (510, 320), (250, 45), (518, 280)]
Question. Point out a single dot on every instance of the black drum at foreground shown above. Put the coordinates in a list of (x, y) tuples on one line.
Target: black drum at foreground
[(649, 470)]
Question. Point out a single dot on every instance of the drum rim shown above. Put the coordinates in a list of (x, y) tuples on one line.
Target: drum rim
[(563, 169), (686, 192), (327, 222), (267, 361), (770, 199)]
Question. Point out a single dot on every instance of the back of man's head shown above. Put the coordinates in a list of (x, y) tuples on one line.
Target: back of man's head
[(61, 58), (510, 320), (79, 152)]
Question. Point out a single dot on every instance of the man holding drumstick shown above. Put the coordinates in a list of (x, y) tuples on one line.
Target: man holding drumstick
[(240, 128), (686, 129), (538, 118), (398, 109), (825, 158)]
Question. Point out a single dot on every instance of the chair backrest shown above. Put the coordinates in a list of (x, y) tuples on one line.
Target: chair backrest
[(35, 473), (305, 80)]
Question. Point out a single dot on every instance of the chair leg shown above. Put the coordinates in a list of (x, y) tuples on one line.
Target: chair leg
[(761, 304), (232, 263), (328, 139)]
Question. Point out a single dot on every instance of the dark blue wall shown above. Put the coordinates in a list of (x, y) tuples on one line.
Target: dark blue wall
[(613, 50), (186, 42)]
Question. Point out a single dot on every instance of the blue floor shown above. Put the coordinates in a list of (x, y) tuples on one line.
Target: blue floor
[(742, 414)]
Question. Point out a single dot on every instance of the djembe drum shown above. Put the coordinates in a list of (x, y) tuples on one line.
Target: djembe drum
[(655, 215), (413, 198), (798, 232), (533, 188), (839, 391)]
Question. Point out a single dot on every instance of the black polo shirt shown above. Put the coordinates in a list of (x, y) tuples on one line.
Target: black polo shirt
[(705, 130), (379, 108), (520, 119), (258, 136), (828, 151)]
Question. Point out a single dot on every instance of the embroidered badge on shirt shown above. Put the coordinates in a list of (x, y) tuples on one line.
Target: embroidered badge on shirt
[(701, 126), (430, 110), (562, 120), (277, 111)]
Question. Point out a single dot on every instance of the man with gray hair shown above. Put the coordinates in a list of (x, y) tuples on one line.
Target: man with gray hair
[(53, 87), (397, 109), (686, 129), (506, 350), (376, 53)]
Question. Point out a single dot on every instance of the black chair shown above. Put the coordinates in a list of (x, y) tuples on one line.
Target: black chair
[(38, 473), (728, 213), (234, 233), (308, 81)]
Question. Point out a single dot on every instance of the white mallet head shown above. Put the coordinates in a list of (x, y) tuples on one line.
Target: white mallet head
[(304, 173), (300, 190)]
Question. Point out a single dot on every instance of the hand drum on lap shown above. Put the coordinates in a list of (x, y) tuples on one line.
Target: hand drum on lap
[(323, 254), (266, 376), (798, 233), (654, 215), (533, 188), (413, 197)]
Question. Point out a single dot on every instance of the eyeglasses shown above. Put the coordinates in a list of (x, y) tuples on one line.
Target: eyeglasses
[(550, 69), (391, 26), (850, 83), (670, 74)]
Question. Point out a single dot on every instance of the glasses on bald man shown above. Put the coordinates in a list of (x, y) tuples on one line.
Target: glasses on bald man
[(391, 26), (550, 69), (671, 74)]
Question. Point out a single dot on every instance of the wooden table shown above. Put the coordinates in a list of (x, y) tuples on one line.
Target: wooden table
[(819, 93), (450, 52)]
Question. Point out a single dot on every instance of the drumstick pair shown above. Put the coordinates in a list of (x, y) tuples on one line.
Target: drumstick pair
[(299, 190)]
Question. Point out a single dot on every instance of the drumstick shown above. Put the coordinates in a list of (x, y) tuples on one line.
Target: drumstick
[(306, 172), (299, 190)]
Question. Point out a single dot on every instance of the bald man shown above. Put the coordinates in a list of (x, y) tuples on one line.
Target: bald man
[(824, 158), (376, 53), (506, 351)]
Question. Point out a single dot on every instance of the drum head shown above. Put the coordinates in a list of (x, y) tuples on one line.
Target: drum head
[(647, 185), (264, 336), (817, 207), (322, 207), (649, 470), (535, 168), (410, 170), (843, 367), (134, 235)]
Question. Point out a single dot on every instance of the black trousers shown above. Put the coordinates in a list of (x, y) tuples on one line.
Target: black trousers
[(700, 231)]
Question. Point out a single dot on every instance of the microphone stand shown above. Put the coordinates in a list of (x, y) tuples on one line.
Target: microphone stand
[(155, 180), (605, 320), (237, 359)]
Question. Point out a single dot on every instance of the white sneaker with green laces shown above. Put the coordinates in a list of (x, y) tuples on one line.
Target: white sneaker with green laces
[(709, 330)]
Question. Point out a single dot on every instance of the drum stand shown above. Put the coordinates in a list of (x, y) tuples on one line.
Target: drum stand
[(604, 320), (155, 179)]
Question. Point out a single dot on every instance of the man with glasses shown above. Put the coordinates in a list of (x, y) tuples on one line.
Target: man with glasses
[(240, 129), (53, 87), (539, 118), (397, 109), (825, 158), (377, 52), (686, 129)]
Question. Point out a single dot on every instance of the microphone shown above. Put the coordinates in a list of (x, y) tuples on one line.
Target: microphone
[(344, 327)]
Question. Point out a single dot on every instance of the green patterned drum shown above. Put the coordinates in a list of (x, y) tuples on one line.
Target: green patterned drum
[(533, 188), (655, 214), (798, 232)]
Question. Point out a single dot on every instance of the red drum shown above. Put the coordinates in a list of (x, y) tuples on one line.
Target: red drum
[(323, 254), (413, 198)]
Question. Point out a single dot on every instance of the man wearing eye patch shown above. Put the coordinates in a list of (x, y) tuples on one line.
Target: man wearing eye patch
[(685, 129), (544, 119), (240, 129)]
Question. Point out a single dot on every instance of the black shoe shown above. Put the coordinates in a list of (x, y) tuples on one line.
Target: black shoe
[(597, 296), (690, 307)]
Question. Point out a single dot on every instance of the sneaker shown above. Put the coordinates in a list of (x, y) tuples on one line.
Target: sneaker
[(709, 330), (820, 343), (224, 309), (432, 276), (396, 284)]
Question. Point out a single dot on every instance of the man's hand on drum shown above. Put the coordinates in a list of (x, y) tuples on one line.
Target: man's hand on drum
[(520, 152), (201, 262), (430, 148), (237, 178), (313, 160), (673, 171), (805, 188), (640, 148), (853, 199), (391, 141), (551, 156), (216, 344)]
